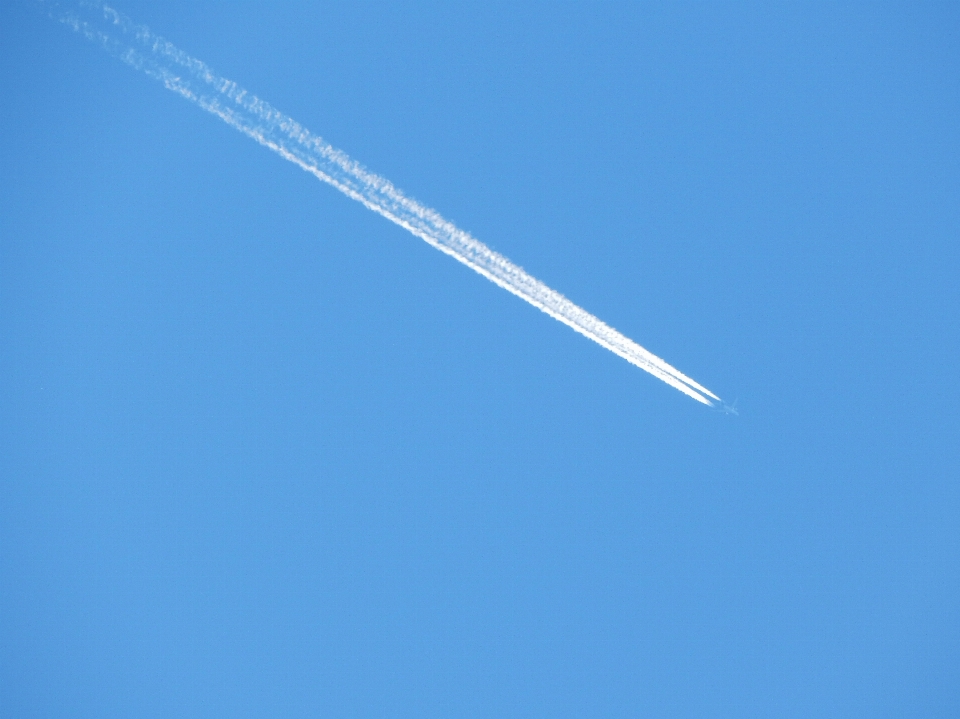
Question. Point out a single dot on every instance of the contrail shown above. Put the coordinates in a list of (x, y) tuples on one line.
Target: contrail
[(193, 80)]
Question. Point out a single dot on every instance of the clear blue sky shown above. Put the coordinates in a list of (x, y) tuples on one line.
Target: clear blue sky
[(265, 454)]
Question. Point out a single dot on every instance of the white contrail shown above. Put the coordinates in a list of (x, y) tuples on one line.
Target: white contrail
[(190, 78)]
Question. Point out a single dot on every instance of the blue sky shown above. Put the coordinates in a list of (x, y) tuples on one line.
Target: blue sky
[(264, 453)]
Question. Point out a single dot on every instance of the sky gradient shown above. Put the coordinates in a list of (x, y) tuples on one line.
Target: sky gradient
[(264, 453)]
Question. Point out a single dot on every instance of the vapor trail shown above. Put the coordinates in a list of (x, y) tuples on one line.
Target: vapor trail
[(193, 80)]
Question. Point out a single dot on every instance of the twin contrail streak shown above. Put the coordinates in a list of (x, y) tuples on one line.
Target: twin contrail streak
[(193, 80)]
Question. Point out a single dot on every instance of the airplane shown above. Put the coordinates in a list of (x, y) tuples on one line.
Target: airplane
[(729, 408)]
